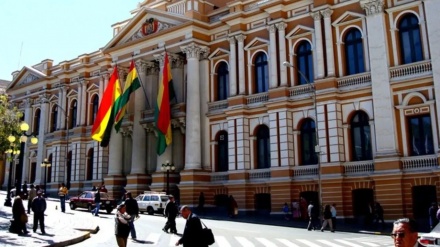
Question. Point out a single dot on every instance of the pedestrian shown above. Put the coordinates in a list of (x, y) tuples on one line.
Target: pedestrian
[(171, 212), (94, 188), (303, 208), (405, 233), (369, 214), (296, 213), (334, 212), (193, 228), (32, 195), (201, 205), (132, 210), (103, 189), (25, 190), (122, 228), (232, 207), (97, 201), (378, 214), (433, 215), (286, 211), (327, 218), (19, 215), (62, 192), (313, 213), (38, 207)]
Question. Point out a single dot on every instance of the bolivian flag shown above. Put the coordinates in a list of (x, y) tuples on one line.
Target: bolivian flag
[(163, 110), (105, 117), (131, 84)]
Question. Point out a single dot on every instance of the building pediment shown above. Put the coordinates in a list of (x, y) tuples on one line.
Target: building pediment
[(299, 30), (257, 42), (26, 76), (218, 53), (348, 17)]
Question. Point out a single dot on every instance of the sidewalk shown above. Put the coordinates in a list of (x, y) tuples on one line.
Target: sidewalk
[(62, 229)]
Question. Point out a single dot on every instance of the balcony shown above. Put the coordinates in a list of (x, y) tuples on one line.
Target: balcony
[(426, 162), (257, 98), (177, 8), (357, 80), (411, 70), (259, 174), (220, 177), (305, 171), (217, 105), (300, 90), (359, 167)]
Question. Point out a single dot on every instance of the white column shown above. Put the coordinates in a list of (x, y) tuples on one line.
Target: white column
[(327, 13), (273, 139), (193, 148), (232, 67), (318, 45), (432, 8), (28, 119), (115, 154), (60, 116), (285, 138), (383, 106), (273, 68), (41, 155), (282, 52), (232, 164), (204, 99), (241, 66), (82, 104)]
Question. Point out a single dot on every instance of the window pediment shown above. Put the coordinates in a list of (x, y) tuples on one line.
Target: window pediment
[(348, 17)]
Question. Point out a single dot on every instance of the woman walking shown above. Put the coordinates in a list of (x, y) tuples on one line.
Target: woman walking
[(122, 229), (327, 218)]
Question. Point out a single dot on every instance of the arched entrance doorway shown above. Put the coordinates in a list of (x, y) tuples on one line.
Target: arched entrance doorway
[(422, 197), (262, 203), (363, 200)]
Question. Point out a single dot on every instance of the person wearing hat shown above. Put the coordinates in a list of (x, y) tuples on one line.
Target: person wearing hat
[(122, 227), (38, 207), (133, 211), (171, 212)]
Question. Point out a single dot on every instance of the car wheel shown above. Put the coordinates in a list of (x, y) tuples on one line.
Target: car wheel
[(72, 206), (89, 208), (150, 211)]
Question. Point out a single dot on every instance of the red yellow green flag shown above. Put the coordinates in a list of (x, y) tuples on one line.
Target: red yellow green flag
[(105, 115), (131, 84), (163, 110)]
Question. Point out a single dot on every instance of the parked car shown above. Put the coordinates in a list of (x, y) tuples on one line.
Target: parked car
[(152, 202), (87, 200), (431, 239)]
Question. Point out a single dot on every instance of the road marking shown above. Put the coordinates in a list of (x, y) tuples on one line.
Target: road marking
[(328, 243), (370, 244), (173, 240), (244, 242), (311, 244), (348, 243), (266, 242), (287, 242), (221, 241)]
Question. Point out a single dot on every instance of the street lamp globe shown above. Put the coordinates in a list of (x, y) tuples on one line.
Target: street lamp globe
[(24, 126), (11, 138), (23, 138), (34, 140)]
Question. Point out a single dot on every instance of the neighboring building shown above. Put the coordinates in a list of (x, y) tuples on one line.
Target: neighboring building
[(3, 86), (245, 125)]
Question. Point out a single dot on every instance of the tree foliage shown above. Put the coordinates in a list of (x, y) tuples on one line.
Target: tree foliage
[(9, 118)]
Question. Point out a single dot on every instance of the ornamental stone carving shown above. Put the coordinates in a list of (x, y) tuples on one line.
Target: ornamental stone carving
[(327, 13), (372, 7), (271, 28), (194, 51), (316, 16)]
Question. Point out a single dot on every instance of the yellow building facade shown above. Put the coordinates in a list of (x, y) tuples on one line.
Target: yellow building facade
[(276, 100)]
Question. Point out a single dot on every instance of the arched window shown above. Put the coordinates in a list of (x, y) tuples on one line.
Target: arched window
[(354, 52), (95, 106), (222, 152), (54, 120), (361, 137), (304, 63), (222, 81), (261, 73), (410, 43), (420, 134), (37, 121), (72, 114), (263, 147), (308, 143), (89, 171)]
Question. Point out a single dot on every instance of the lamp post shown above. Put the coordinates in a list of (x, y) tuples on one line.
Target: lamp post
[(12, 152), (24, 127), (46, 164), (317, 147), (167, 167)]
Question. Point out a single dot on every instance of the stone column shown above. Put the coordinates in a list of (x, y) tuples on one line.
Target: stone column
[(282, 52), (241, 67), (82, 106), (327, 13), (274, 133), (60, 116), (204, 99), (382, 95), (286, 142), (432, 22), (193, 111), (273, 68), (177, 72), (232, 149), (319, 56), (28, 116), (41, 155), (232, 67)]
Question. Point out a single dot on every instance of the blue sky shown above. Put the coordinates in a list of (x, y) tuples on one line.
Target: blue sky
[(34, 30)]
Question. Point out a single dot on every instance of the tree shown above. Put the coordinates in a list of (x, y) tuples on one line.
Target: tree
[(10, 118)]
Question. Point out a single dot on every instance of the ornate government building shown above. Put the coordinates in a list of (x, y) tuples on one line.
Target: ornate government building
[(331, 100)]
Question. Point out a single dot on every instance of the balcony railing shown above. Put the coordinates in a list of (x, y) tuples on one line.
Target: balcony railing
[(253, 6), (300, 90), (257, 98), (358, 167), (355, 80), (259, 174), (220, 176), (411, 69), (178, 8), (419, 162), (218, 105), (307, 170)]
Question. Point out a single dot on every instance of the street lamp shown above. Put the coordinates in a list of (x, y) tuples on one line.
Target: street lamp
[(46, 164), (24, 127), (317, 147), (12, 153), (167, 167)]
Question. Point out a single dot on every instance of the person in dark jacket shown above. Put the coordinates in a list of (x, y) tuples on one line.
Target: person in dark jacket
[(97, 201), (313, 212), (433, 215), (327, 218), (122, 228), (17, 213), (132, 210), (193, 228), (171, 212), (38, 207)]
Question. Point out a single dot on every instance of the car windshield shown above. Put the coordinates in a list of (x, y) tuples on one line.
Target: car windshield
[(164, 198)]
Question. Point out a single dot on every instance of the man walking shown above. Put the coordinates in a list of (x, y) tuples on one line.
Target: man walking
[(32, 195), (313, 212), (97, 200), (171, 212), (62, 194), (405, 233), (38, 207), (133, 210), (193, 228)]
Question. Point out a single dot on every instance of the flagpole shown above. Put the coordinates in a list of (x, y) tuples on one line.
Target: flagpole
[(142, 85)]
